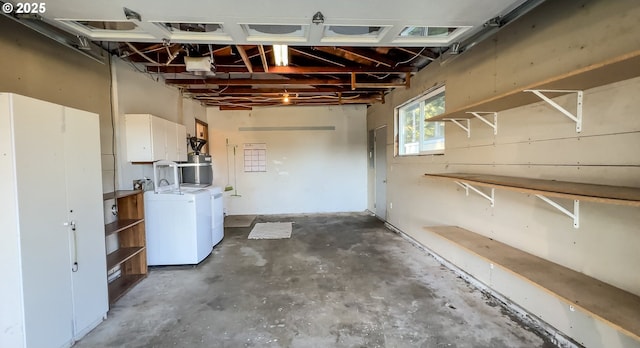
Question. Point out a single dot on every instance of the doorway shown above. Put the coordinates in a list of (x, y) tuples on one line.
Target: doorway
[(380, 163), (202, 132)]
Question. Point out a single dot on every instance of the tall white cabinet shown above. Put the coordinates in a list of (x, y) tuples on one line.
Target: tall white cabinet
[(54, 286)]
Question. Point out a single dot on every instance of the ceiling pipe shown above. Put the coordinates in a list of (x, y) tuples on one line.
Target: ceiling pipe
[(489, 28)]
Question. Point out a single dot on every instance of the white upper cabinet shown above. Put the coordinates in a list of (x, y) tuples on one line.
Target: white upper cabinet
[(176, 142), (150, 138), (181, 132)]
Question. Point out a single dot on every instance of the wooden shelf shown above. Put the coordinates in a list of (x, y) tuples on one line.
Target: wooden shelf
[(551, 188), (613, 305), (130, 230), (120, 225), (121, 285), (613, 70), (121, 255), (120, 194)]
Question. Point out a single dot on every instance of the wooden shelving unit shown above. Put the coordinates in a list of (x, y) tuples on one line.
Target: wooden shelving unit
[(544, 189), (131, 255), (617, 307), (613, 70)]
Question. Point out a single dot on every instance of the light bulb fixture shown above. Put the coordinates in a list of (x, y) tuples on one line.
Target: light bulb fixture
[(285, 98), (281, 55)]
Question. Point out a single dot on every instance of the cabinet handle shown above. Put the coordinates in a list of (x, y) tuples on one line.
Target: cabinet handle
[(74, 267)]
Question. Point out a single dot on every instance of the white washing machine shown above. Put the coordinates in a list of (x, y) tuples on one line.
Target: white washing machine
[(178, 227), (216, 207), (217, 215)]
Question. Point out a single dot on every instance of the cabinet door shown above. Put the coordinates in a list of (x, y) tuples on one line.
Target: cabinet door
[(138, 135), (172, 141), (181, 140), (159, 138), (40, 176), (183, 148), (11, 319), (84, 207)]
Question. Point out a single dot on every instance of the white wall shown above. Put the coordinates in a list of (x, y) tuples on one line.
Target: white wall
[(533, 141), (38, 67), (308, 171), (137, 93)]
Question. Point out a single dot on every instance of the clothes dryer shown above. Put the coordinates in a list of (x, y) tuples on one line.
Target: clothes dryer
[(178, 227)]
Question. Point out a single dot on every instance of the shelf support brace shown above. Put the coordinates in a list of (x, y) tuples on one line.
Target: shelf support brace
[(494, 125), (577, 118), (466, 186), (457, 122), (575, 215)]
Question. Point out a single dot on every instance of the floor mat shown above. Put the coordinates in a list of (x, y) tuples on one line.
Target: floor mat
[(239, 220), (271, 230)]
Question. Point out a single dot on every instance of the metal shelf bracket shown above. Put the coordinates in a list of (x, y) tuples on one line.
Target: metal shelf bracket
[(466, 187), (494, 125), (457, 122), (575, 215), (577, 118)]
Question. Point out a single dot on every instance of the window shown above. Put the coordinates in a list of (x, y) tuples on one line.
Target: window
[(414, 133)]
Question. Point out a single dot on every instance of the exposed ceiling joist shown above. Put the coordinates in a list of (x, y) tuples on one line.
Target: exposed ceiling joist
[(234, 90), (245, 58), (378, 47), (291, 70), (253, 82), (263, 58)]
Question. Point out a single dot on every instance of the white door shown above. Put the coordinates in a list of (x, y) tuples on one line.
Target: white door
[(380, 162), (40, 177), (84, 207)]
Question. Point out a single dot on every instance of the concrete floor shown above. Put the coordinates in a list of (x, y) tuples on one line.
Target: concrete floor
[(342, 280)]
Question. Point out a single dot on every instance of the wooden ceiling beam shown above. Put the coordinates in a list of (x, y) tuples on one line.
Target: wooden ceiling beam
[(293, 70), (250, 82), (427, 53), (243, 90), (315, 56), (244, 104), (263, 58), (141, 54), (245, 58), (369, 55), (337, 70)]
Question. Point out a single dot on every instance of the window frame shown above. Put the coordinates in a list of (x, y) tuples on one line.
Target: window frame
[(429, 94)]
